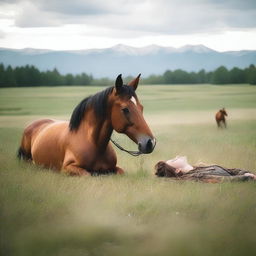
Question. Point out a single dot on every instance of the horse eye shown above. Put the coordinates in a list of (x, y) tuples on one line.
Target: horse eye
[(125, 111)]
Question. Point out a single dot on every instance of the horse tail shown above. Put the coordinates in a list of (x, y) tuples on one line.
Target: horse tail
[(24, 151), (22, 154)]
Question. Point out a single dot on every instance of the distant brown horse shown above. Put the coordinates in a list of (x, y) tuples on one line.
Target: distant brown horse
[(220, 118), (82, 146)]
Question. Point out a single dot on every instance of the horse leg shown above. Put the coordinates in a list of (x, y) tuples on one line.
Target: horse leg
[(74, 170), (119, 170), (224, 122), (71, 165)]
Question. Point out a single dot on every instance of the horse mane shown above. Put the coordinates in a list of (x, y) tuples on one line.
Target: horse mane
[(98, 102)]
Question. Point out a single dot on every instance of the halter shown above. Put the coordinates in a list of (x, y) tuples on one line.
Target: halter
[(132, 153)]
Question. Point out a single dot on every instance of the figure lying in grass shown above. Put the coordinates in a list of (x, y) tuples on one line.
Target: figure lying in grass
[(179, 168)]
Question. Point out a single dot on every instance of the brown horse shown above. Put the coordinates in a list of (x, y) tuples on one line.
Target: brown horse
[(220, 118), (82, 146)]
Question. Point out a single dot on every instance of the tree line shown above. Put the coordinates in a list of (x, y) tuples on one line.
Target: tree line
[(220, 75), (31, 76)]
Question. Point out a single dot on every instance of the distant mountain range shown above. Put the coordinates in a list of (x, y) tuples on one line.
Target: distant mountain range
[(128, 60)]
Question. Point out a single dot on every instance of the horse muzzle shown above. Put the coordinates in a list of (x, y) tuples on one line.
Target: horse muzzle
[(146, 144)]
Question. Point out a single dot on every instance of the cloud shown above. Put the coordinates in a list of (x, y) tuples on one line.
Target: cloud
[(235, 4), (2, 34), (188, 17), (9, 1), (132, 17), (30, 16), (75, 7)]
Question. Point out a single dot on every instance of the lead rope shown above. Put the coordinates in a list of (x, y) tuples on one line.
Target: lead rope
[(133, 153)]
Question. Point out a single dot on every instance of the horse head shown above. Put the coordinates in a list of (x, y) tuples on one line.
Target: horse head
[(223, 111), (127, 115)]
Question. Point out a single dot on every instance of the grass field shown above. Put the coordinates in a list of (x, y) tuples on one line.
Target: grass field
[(44, 213)]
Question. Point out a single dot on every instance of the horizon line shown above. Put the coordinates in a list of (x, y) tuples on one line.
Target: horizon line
[(126, 45)]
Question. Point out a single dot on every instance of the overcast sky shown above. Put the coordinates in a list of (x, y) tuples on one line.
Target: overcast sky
[(82, 24)]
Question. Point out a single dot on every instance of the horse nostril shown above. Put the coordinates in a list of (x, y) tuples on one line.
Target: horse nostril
[(150, 146), (146, 145)]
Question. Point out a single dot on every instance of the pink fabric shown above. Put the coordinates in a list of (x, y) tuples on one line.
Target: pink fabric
[(180, 163)]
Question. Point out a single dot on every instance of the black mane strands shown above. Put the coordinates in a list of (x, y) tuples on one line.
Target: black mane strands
[(98, 102)]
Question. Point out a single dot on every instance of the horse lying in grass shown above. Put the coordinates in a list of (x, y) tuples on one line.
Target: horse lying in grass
[(179, 169), (220, 118), (82, 146)]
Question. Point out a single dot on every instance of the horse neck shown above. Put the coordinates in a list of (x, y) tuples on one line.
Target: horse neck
[(100, 129)]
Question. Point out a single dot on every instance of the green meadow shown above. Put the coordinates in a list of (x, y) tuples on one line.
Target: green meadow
[(46, 213)]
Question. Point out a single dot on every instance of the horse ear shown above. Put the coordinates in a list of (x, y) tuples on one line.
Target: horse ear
[(134, 83), (119, 83)]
